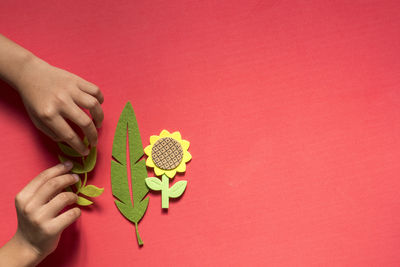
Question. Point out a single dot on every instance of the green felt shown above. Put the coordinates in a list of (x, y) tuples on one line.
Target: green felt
[(86, 141), (83, 201), (69, 151), (132, 206), (90, 161), (167, 192), (177, 189), (78, 185), (153, 183), (91, 191), (164, 192), (77, 168), (88, 165)]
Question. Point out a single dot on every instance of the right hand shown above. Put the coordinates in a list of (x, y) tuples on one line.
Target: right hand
[(39, 204)]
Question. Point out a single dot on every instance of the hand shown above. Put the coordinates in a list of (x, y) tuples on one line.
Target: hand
[(39, 222), (52, 96)]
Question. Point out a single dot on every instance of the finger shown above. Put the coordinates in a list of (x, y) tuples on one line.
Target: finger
[(61, 128), (46, 130), (91, 89), (80, 118), (52, 187), (59, 202), (92, 104), (30, 189), (65, 219)]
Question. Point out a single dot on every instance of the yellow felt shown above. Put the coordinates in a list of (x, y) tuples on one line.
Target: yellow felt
[(149, 162), (164, 133), (185, 144), (187, 156), (154, 139), (181, 167), (170, 173), (176, 136), (158, 171), (148, 149)]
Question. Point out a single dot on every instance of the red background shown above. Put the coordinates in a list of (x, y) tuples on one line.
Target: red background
[(291, 108)]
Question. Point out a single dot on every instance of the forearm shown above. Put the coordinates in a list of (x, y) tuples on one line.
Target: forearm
[(17, 253), (14, 59)]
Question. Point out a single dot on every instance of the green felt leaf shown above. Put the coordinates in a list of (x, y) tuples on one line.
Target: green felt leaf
[(177, 189), (90, 161), (91, 191), (132, 206), (77, 168), (86, 141), (153, 183), (78, 185), (83, 201), (69, 151)]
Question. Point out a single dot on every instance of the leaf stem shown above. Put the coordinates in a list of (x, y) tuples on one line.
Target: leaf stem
[(139, 240), (85, 180)]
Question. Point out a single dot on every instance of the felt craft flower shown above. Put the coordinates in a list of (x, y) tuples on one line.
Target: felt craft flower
[(167, 153)]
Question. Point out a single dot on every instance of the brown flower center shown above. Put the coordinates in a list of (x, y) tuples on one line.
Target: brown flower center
[(167, 153)]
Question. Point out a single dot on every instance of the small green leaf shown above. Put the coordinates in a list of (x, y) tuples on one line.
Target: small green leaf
[(177, 189), (90, 161), (153, 183), (91, 191), (78, 184), (83, 201), (77, 168), (85, 141), (68, 150)]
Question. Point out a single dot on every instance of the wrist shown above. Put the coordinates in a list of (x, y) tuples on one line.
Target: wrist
[(26, 254), (27, 64)]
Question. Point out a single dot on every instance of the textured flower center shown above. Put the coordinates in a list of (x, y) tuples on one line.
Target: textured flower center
[(167, 153)]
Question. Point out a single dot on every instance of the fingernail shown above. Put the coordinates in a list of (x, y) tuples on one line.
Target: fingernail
[(67, 164), (76, 177)]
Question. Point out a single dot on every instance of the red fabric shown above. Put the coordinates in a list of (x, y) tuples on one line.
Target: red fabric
[(291, 108)]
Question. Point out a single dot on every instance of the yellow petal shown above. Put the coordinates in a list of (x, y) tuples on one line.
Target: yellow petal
[(181, 167), (158, 171), (164, 133), (187, 156), (185, 144), (149, 162), (148, 149), (153, 139), (176, 136), (170, 173)]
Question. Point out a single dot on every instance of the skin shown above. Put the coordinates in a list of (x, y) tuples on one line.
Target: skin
[(40, 222), (52, 96)]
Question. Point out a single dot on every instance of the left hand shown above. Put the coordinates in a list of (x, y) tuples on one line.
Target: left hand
[(53, 96)]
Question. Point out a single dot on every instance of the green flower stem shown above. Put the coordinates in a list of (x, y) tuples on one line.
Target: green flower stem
[(164, 192)]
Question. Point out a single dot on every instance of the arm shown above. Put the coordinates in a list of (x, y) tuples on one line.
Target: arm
[(52, 96), (40, 223), (13, 59)]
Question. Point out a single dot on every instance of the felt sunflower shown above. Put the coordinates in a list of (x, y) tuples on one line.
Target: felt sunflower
[(167, 153)]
